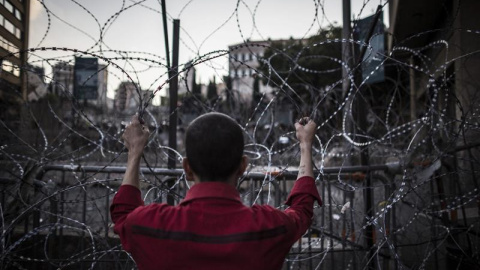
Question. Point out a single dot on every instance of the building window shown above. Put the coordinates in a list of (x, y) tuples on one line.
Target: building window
[(244, 73), (9, 26), (7, 45), (10, 68), (9, 6), (16, 71), (18, 15), (18, 33)]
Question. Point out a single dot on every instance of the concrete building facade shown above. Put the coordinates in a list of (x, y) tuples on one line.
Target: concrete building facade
[(244, 60), (63, 82), (14, 29)]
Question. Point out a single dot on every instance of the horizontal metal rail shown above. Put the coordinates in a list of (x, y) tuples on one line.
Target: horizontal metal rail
[(390, 167)]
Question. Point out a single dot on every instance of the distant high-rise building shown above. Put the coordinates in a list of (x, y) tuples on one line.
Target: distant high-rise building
[(14, 27), (63, 81), (243, 62)]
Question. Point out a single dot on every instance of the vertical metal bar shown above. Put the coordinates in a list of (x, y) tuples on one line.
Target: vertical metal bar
[(361, 118), (388, 190), (309, 235), (322, 186), (413, 97), (344, 229), (352, 224), (84, 217), (394, 225), (160, 194), (278, 199), (459, 193), (173, 91), (347, 59), (330, 225), (299, 251), (24, 50), (369, 230), (53, 220), (252, 190), (107, 203), (260, 189), (2, 229), (346, 46), (36, 224), (165, 33), (257, 189), (432, 226), (61, 210)]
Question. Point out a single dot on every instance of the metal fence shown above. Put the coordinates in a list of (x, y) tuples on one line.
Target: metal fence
[(64, 221)]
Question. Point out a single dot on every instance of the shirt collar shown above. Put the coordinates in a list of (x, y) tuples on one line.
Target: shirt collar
[(211, 190)]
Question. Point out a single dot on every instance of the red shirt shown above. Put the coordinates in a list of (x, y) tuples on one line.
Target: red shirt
[(211, 228)]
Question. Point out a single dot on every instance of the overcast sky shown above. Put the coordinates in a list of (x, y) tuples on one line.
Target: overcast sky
[(206, 26)]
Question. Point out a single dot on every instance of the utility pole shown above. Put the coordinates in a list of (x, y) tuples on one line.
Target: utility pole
[(360, 117), (361, 120), (173, 87), (346, 71), (346, 46), (173, 91)]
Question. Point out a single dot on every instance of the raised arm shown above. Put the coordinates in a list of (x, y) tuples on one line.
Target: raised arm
[(135, 138), (305, 135), (304, 193)]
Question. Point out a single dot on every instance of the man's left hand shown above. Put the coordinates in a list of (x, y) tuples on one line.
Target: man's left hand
[(135, 137)]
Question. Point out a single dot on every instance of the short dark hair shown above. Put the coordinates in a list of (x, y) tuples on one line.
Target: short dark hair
[(214, 146)]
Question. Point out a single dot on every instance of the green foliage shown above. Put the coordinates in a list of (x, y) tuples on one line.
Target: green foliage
[(212, 91), (256, 91), (307, 66), (196, 88)]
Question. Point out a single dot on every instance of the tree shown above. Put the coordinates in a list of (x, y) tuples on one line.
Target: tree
[(306, 66), (230, 98), (212, 92), (256, 95), (196, 88)]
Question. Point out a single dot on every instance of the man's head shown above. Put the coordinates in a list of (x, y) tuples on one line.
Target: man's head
[(214, 146)]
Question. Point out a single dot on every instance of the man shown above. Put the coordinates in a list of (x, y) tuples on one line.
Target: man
[(211, 228)]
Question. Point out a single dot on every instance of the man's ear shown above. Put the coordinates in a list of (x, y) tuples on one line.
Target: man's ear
[(187, 169), (243, 166)]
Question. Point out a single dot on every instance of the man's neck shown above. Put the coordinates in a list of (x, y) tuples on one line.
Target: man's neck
[(230, 181)]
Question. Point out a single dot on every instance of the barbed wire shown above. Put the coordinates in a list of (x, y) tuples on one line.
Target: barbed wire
[(422, 164)]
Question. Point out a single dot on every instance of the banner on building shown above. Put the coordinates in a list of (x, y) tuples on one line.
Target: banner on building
[(86, 78), (372, 65)]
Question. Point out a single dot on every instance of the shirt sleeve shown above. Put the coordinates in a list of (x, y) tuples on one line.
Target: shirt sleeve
[(127, 199), (301, 199)]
